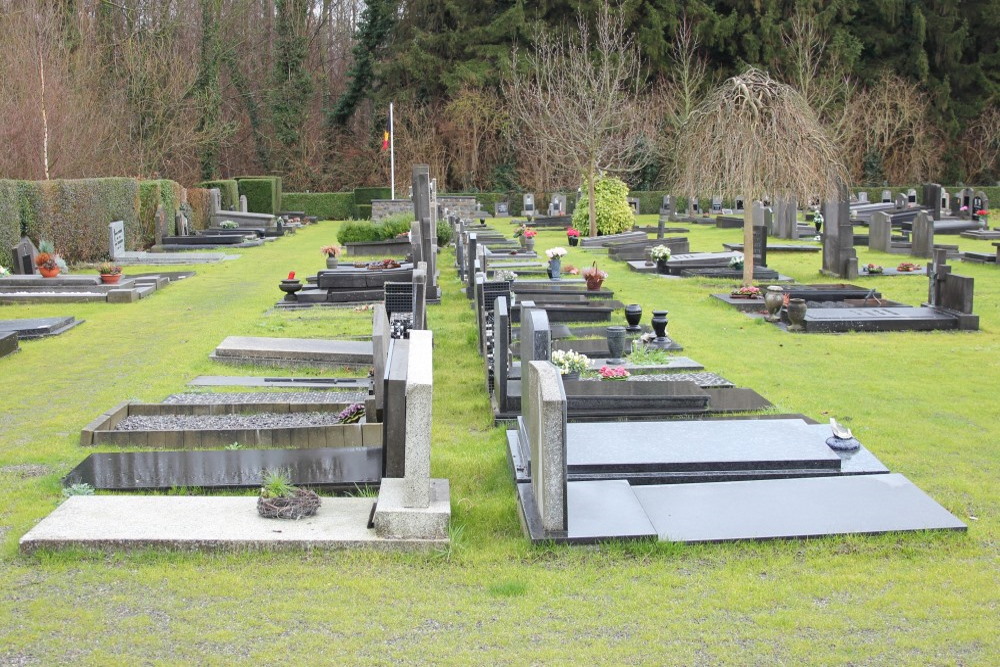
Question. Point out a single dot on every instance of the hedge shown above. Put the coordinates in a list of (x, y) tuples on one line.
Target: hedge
[(229, 191), (364, 231), (323, 205), (263, 194), (198, 200), (363, 212), (10, 220), (364, 196), (73, 214), (152, 194)]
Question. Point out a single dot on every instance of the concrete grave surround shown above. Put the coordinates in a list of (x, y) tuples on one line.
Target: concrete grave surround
[(416, 506), (250, 349)]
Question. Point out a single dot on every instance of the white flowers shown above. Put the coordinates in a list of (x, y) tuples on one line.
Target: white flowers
[(568, 361), (555, 253), (660, 253), (3, 271)]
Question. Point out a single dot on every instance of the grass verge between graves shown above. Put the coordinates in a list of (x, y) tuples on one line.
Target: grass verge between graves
[(925, 403)]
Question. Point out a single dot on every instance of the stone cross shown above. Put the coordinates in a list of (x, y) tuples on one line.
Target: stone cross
[(116, 244), (419, 408), (544, 425)]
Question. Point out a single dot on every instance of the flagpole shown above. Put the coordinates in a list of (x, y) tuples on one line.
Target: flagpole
[(392, 155)]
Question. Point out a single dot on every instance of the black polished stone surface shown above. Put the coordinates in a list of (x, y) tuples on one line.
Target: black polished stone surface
[(8, 343), (835, 320), (791, 508), (595, 511), (299, 382), (38, 327), (332, 468)]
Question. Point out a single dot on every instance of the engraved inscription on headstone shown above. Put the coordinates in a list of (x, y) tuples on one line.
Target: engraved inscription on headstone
[(116, 246)]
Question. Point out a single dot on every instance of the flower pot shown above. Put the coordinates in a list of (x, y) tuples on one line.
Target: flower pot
[(661, 266), (555, 268), (110, 278), (633, 315), (573, 240), (660, 323), (796, 314), (773, 300), (594, 285), (575, 375), (331, 262), (523, 241), (529, 244), (49, 273), (616, 343), (290, 287)]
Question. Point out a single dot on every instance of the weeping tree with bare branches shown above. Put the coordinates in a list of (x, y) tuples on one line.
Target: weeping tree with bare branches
[(757, 137), (580, 99)]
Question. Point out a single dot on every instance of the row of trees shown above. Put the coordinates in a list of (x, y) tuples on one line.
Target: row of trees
[(191, 89)]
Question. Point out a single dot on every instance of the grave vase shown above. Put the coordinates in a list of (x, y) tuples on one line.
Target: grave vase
[(633, 315), (773, 300), (796, 314), (331, 261), (659, 322), (555, 268), (573, 240), (661, 266), (616, 344), (529, 243)]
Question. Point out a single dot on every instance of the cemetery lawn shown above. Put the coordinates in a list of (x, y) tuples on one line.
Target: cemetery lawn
[(927, 404)]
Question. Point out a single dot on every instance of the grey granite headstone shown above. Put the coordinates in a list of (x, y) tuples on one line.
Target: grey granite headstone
[(923, 235), (740, 203), (528, 205), (415, 242), (419, 404), (633, 203), (536, 336), (470, 268), (716, 204), (759, 245), (380, 352), (501, 351), (886, 197), (901, 201), (420, 296), (501, 209), (24, 254), (558, 204), (863, 197), (243, 204), (544, 424), (911, 196), (214, 201), (880, 232), (116, 244), (394, 412), (839, 256)]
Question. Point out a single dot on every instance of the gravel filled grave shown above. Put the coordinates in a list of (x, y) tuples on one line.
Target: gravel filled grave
[(701, 379), (227, 422), (319, 396)]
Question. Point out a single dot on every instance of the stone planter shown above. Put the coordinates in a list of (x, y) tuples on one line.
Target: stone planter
[(290, 287), (110, 278), (633, 315), (796, 314), (773, 300), (660, 323), (575, 375), (529, 243)]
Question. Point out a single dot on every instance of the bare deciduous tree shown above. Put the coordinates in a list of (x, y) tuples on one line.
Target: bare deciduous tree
[(581, 99), (757, 137), (981, 146)]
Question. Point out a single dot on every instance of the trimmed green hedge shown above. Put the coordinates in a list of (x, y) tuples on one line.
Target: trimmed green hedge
[(152, 194), (263, 194), (363, 212), (228, 189), (73, 214), (324, 205), (364, 196), (10, 220), (198, 200), (363, 231)]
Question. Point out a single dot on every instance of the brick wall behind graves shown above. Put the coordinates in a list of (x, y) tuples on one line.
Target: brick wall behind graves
[(464, 206), (383, 208)]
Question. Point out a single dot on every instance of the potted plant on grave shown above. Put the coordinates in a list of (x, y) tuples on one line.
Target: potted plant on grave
[(48, 261), (660, 254), (529, 239), (332, 253), (594, 277), (573, 236), (907, 267), (736, 263), (984, 216), (615, 373), (874, 269), (110, 273), (352, 414), (280, 500), (229, 224), (570, 363), (555, 256), (519, 234)]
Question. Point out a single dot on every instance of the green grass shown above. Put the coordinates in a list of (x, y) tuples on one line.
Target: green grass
[(926, 404)]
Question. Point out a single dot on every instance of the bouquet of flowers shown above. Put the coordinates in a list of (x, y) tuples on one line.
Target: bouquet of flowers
[(530, 233), (907, 267), (594, 274), (660, 253), (747, 292), (568, 361), (613, 373), (331, 250), (874, 269), (3, 271), (736, 263), (555, 253), (352, 414), (503, 275), (572, 232)]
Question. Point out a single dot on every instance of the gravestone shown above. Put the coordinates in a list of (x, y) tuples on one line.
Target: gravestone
[(243, 204), (536, 335), (461, 240), (501, 352), (880, 232), (932, 199), (394, 410), (694, 206), (863, 197), (886, 197), (543, 425), (501, 209), (420, 296), (911, 196), (528, 205), (470, 267), (633, 203), (739, 204), (839, 256), (944, 199), (667, 206), (160, 225), (901, 201), (951, 292), (923, 236), (980, 202), (24, 254), (380, 352), (558, 205), (116, 244), (716, 204), (214, 201), (759, 245), (419, 404), (422, 196)]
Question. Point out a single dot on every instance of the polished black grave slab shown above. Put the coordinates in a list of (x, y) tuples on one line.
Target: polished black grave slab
[(335, 468), (595, 512), (838, 320), (299, 382), (791, 508), (38, 327), (8, 343)]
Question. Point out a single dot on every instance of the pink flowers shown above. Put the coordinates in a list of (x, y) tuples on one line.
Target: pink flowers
[(613, 373), (530, 233), (572, 233)]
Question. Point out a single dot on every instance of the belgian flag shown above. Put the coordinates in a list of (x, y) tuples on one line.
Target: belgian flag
[(385, 135)]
